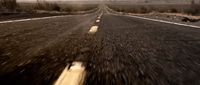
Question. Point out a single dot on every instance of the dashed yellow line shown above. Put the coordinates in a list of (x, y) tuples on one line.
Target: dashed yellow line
[(93, 29), (99, 17), (73, 76), (97, 20)]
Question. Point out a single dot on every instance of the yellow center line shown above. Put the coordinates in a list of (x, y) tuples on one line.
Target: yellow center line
[(93, 29), (97, 20), (73, 76), (99, 17)]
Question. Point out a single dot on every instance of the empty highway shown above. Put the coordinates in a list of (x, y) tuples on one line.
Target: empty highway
[(114, 49)]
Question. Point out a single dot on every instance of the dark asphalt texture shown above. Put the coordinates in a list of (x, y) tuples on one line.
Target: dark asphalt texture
[(124, 51)]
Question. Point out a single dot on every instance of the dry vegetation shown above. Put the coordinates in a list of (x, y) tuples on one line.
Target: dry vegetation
[(32, 7), (11, 6), (192, 9), (8, 5), (9, 9)]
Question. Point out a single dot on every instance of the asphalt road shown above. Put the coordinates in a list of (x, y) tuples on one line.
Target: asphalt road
[(124, 51)]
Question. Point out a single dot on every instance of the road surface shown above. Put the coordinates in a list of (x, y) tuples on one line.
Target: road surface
[(122, 51)]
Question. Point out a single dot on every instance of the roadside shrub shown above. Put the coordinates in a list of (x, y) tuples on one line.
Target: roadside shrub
[(143, 10), (43, 6), (52, 7), (47, 6), (67, 9), (55, 7), (173, 10), (75, 7), (193, 9), (8, 4)]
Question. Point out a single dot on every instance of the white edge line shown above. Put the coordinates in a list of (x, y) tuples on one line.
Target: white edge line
[(168, 22), (29, 19)]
